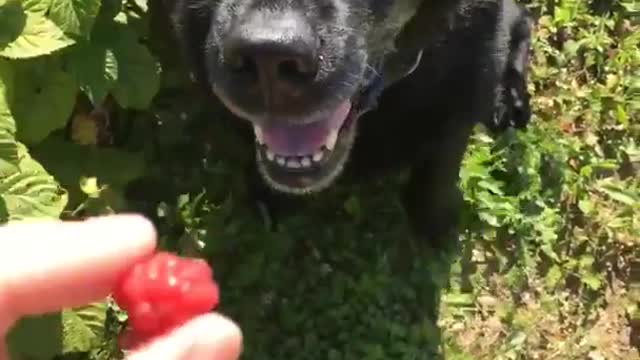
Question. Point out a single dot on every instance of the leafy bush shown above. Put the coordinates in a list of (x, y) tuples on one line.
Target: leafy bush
[(97, 115)]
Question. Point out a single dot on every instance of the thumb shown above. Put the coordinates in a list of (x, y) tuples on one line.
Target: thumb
[(207, 337)]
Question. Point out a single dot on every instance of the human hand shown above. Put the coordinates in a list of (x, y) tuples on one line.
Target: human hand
[(47, 266)]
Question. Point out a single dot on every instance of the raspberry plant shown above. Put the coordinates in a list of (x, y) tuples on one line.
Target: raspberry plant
[(97, 116)]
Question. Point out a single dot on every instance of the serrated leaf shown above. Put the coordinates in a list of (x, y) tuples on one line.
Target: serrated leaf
[(30, 193), (142, 4), (586, 261), (586, 206), (491, 186), (8, 146), (553, 277), (83, 327), (39, 7), (138, 71), (74, 16), (96, 70), (7, 122), (592, 281), (123, 58), (621, 195), (44, 98), (27, 34), (8, 153), (488, 218)]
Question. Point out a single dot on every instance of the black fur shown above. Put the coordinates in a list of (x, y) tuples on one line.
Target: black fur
[(473, 69)]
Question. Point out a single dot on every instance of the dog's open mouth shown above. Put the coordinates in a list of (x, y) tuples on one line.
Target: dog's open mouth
[(300, 159)]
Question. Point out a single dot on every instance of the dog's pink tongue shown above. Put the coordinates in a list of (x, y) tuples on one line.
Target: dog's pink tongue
[(289, 140)]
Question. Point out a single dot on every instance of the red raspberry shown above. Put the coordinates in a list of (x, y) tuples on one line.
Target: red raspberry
[(163, 292)]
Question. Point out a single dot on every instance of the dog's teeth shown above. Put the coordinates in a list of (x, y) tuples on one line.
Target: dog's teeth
[(258, 132), (305, 162), (318, 156), (270, 155), (293, 163), (331, 139), (280, 160)]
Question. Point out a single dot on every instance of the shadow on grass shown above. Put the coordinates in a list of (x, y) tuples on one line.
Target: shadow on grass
[(336, 282)]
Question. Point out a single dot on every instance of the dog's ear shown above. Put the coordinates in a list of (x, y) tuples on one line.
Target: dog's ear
[(433, 17), (414, 25), (190, 22), (436, 17)]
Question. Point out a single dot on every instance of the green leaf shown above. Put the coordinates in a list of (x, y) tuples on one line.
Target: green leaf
[(586, 205), (30, 193), (592, 280), (8, 153), (27, 34), (491, 186), (489, 218), (142, 4), (138, 72), (6, 96), (83, 328), (44, 98), (96, 70), (118, 63), (39, 7), (37, 337), (8, 147), (553, 277), (617, 193), (74, 16), (353, 207), (459, 299)]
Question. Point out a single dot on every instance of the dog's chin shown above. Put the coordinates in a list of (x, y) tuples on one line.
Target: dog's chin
[(304, 159)]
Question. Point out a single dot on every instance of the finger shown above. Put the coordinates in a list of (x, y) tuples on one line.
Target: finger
[(208, 337), (50, 265)]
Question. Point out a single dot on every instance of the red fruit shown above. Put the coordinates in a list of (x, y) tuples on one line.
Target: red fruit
[(163, 292)]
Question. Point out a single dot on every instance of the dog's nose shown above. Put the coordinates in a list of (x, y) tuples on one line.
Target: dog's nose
[(277, 53)]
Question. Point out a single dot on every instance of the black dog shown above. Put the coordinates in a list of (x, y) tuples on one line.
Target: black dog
[(350, 89)]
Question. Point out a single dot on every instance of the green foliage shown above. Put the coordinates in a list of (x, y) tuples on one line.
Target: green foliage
[(29, 191), (47, 329), (26, 32), (74, 17), (96, 116), (44, 97), (83, 328)]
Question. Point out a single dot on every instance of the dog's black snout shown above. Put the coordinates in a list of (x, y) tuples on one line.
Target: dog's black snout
[(272, 61), (279, 54)]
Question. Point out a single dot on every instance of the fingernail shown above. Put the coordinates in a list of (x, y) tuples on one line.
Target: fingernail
[(135, 225), (210, 337), (225, 347), (120, 219)]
